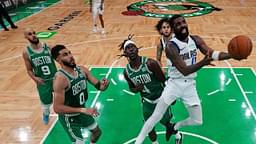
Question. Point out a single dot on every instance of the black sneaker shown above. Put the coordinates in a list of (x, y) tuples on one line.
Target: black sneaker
[(179, 141), (169, 132), (14, 27)]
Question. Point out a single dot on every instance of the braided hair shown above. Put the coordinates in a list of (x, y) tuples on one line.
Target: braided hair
[(121, 46)]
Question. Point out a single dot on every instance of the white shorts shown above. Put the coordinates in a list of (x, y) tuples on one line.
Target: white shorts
[(183, 89), (96, 9)]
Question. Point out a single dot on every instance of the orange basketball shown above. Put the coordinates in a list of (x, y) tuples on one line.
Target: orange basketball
[(240, 47)]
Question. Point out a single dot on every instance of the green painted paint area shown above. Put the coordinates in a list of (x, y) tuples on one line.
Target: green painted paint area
[(227, 118), (29, 9), (45, 35)]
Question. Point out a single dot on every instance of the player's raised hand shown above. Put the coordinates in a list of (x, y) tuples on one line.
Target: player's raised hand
[(104, 83)]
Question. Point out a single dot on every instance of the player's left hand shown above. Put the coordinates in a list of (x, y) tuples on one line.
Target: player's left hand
[(104, 83)]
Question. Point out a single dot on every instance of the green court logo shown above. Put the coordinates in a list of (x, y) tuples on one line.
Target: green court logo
[(167, 8), (45, 35)]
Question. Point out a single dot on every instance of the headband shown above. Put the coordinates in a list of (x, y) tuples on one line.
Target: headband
[(127, 43)]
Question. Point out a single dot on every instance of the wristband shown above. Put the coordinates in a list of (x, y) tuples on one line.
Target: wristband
[(215, 55)]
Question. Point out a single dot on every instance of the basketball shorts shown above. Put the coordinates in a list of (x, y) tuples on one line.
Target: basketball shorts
[(73, 124), (148, 109), (45, 92), (183, 89)]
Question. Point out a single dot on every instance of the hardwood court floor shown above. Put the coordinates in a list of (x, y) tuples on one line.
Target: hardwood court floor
[(19, 106)]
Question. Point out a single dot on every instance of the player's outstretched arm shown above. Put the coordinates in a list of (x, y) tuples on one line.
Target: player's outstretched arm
[(98, 84), (203, 47)]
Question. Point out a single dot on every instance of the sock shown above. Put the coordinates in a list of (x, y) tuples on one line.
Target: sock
[(155, 142), (177, 135)]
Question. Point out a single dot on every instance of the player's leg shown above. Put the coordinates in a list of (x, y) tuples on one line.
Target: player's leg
[(193, 105), (8, 18), (96, 133), (95, 14), (148, 109), (167, 97), (2, 23), (46, 98), (166, 122), (89, 123), (72, 125), (101, 11), (153, 136)]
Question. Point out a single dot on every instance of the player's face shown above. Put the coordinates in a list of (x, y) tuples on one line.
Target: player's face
[(67, 58), (165, 29), (131, 52), (180, 28), (31, 37)]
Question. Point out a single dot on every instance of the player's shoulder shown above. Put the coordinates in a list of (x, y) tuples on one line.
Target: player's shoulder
[(151, 61)]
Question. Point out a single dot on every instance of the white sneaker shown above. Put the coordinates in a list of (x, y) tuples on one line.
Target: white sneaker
[(94, 29), (103, 31)]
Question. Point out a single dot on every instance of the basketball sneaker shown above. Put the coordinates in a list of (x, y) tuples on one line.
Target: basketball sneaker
[(169, 132), (94, 29), (103, 31), (45, 119), (179, 140)]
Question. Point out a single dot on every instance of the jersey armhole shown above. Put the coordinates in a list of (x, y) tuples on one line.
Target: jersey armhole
[(176, 46), (194, 39)]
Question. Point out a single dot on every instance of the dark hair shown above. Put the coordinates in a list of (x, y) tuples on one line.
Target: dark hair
[(56, 49), (160, 23), (173, 18), (121, 46)]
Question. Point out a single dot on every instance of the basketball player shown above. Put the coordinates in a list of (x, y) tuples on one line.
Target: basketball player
[(4, 14), (164, 28), (41, 68), (144, 75), (70, 95), (97, 9), (182, 52)]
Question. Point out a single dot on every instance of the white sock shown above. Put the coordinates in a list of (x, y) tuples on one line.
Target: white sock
[(46, 109), (177, 135), (155, 142)]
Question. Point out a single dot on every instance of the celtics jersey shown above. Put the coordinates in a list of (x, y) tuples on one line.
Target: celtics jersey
[(76, 93), (42, 62), (152, 86)]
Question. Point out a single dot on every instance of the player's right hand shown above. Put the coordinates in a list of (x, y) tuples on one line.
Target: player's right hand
[(90, 111), (139, 87), (39, 80), (208, 59)]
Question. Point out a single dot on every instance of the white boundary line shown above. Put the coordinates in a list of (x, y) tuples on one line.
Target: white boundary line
[(242, 90), (185, 133), (49, 130), (211, 93), (107, 75)]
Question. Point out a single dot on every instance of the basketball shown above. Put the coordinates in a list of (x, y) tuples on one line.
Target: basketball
[(240, 47)]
